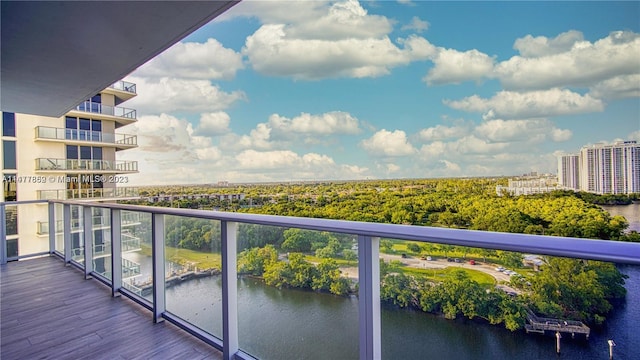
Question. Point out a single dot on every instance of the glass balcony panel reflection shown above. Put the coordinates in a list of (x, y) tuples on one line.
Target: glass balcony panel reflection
[(193, 283), (296, 287)]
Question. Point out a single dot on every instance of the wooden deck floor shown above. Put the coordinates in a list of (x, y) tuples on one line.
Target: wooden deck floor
[(48, 310)]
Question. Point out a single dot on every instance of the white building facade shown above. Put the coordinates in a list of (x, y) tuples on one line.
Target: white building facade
[(70, 157), (568, 171), (602, 168)]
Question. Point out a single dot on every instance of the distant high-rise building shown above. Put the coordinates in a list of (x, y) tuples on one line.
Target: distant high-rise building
[(602, 169), (568, 171)]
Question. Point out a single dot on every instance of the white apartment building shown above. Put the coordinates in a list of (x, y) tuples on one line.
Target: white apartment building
[(568, 171), (70, 157), (610, 169)]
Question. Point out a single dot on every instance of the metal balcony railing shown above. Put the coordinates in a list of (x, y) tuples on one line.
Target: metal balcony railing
[(118, 166), (98, 108), (368, 241), (45, 132), (104, 193), (124, 86)]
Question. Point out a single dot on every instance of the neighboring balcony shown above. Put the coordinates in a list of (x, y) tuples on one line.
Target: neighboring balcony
[(122, 116), (122, 90), (119, 193), (84, 137), (86, 166)]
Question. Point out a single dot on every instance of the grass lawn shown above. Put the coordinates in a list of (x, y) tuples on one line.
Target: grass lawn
[(186, 257), (440, 274)]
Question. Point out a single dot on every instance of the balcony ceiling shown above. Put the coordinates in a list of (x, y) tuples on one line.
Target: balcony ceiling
[(56, 54)]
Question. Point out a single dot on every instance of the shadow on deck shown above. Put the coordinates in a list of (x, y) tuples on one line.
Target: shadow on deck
[(48, 310)]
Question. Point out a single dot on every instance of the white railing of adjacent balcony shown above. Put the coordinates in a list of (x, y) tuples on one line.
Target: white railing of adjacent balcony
[(368, 235)]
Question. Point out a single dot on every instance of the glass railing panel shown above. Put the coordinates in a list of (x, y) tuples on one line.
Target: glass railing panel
[(192, 265), (101, 219), (58, 214), (137, 266), (124, 86), (77, 234), (443, 301), (297, 293)]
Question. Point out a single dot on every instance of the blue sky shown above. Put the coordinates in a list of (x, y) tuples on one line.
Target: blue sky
[(316, 90)]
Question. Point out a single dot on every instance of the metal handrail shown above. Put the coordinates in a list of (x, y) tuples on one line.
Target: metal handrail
[(46, 132), (74, 164), (593, 249), (99, 108)]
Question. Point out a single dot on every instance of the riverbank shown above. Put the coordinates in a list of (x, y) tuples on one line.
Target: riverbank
[(630, 212)]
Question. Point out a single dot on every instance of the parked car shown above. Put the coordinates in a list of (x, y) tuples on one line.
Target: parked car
[(449, 259), (500, 269), (423, 258), (429, 258), (404, 256), (472, 262), (457, 260)]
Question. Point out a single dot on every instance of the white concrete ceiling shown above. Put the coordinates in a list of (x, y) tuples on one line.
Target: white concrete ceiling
[(55, 54)]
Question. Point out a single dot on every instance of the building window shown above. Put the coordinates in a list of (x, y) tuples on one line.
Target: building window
[(8, 124), (9, 187), (11, 213), (9, 155)]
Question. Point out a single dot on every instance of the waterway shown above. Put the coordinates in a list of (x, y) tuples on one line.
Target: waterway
[(630, 212), (294, 324)]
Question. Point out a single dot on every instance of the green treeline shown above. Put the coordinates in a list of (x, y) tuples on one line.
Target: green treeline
[(295, 272), (566, 288)]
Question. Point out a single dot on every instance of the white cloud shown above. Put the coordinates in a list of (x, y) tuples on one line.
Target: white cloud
[(213, 124), (582, 64), (539, 46), (168, 151), (533, 104), (451, 167), (453, 67), (192, 60), (343, 20), (340, 40), (534, 130), (330, 123), (625, 86), (416, 24), (386, 143), (167, 95), (442, 132), (272, 52)]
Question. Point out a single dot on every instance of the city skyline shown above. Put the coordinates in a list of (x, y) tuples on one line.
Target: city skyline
[(294, 91)]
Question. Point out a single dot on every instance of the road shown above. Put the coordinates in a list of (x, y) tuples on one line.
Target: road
[(414, 262)]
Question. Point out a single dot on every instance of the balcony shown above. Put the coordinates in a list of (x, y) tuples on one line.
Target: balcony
[(86, 137), (119, 193), (122, 90), (153, 285), (122, 116), (124, 86), (86, 166)]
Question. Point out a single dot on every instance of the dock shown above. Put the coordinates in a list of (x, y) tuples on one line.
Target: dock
[(541, 325)]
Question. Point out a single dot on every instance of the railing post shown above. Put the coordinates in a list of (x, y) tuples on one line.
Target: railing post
[(157, 251), (369, 297), (66, 220), (52, 227), (87, 236), (3, 234), (229, 290), (116, 252)]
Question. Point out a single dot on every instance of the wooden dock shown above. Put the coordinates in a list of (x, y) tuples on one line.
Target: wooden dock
[(541, 325)]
